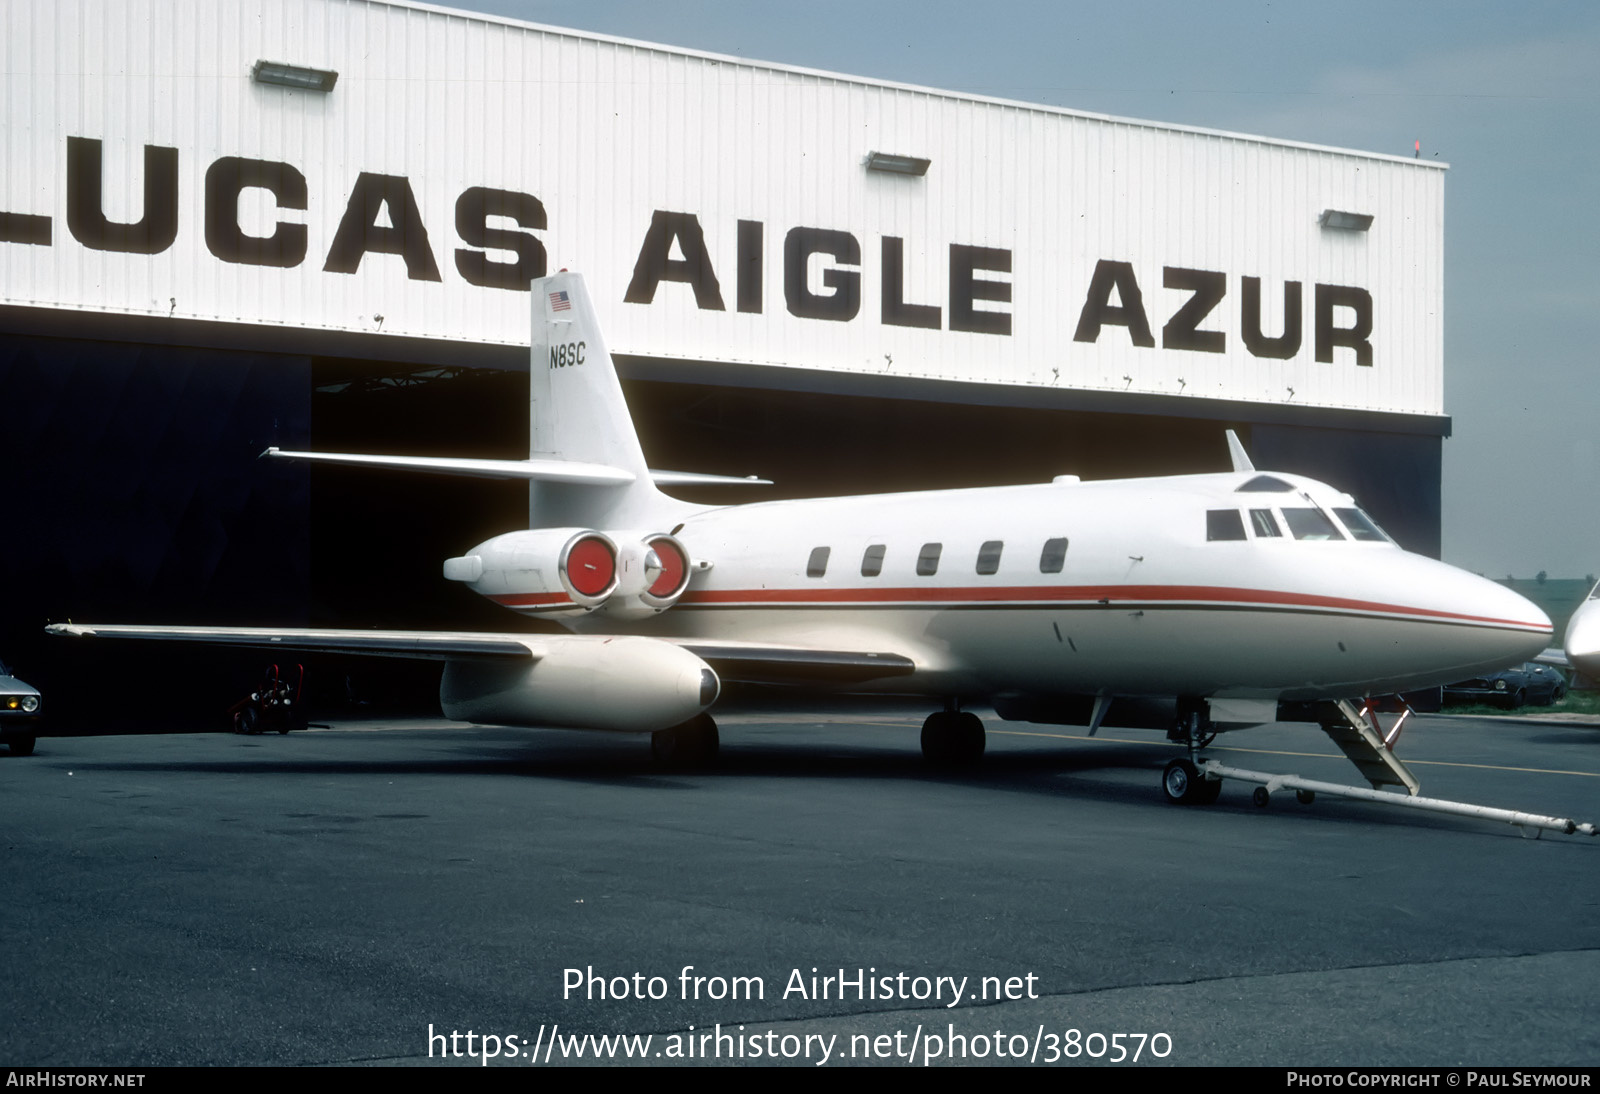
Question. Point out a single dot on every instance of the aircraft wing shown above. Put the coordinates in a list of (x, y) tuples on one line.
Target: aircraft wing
[(420, 645), (746, 662), (754, 663), (1556, 656)]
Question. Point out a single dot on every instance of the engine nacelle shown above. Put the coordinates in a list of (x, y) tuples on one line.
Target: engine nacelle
[(548, 570), (557, 571), (655, 571), (622, 683)]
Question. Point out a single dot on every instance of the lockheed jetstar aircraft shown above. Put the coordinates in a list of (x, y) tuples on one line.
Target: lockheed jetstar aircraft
[(1192, 603)]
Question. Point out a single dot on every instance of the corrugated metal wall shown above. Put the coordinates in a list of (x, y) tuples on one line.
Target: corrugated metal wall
[(609, 135)]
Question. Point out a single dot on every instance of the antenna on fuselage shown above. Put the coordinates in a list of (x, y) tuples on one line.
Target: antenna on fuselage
[(1236, 452)]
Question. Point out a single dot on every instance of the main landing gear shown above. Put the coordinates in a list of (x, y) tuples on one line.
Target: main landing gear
[(1183, 782), (687, 745), (952, 738)]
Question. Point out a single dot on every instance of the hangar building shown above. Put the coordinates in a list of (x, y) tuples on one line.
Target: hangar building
[(312, 224)]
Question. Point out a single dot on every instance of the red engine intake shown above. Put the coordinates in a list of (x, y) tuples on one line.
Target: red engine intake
[(674, 577), (588, 568)]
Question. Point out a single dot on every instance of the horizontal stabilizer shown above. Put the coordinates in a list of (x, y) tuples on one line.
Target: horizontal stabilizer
[(533, 470), (695, 478), (573, 471)]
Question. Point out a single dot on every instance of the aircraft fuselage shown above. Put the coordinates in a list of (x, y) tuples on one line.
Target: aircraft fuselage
[(1184, 585)]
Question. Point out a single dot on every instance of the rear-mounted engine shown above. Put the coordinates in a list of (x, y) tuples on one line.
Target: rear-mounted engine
[(671, 570), (558, 570), (588, 568)]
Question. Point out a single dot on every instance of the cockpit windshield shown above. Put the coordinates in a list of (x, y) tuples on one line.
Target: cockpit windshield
[(1307, 523), (1310, 524), (1361, 526)]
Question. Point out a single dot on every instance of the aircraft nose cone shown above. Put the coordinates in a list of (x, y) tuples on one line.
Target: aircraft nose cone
[(1511, 628), (1583, 638)]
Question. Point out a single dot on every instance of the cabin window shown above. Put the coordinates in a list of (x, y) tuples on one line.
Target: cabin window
[(817, 564), (1361, 526), (1054, 556), (1224, 524), (1265, 524), (1310, 524), (928, 559), (1265, 484), (989, 556), (872, 561)]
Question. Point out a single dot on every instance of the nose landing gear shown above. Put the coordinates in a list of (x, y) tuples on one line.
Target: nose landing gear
[(1183, 781)]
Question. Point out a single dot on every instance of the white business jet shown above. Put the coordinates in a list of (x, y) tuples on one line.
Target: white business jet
[(1580, 650), (1191, 603)]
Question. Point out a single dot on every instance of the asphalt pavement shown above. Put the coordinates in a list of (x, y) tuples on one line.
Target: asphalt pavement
[(335, 896)]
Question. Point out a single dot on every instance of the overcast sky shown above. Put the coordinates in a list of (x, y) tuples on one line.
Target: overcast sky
[(1507, 93)]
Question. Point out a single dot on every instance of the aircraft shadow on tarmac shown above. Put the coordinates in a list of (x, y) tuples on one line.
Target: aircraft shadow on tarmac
[(1577, 735), (590, 761), (1066, 773)]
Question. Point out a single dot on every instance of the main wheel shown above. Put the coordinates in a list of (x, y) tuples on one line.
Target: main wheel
[(937, 730), (689, 744), (969, 739), (952, 739), (1183, 784)]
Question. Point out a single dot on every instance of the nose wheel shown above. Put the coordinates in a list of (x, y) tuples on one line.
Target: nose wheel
[(1184, 785), (1182, 782)]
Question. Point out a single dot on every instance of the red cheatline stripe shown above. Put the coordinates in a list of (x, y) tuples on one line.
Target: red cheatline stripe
[(1166, 595)]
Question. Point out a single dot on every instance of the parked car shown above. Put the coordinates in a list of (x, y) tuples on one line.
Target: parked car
[(1511, 688), (19, 712), (1552, 687)]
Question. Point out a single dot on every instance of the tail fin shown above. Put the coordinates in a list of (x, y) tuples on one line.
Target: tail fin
[(586, 468), (577, 413)]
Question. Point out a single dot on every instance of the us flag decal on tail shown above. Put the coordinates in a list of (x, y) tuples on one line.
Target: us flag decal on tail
[(559, 301)]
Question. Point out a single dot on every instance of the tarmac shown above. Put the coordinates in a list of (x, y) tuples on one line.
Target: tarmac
[(356, 895)]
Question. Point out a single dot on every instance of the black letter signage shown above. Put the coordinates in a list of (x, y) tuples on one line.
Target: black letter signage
[(86, 217)]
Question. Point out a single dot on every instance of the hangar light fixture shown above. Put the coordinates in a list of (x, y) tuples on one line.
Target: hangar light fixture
[(307, 79), (897, 165), (1350, 222)]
